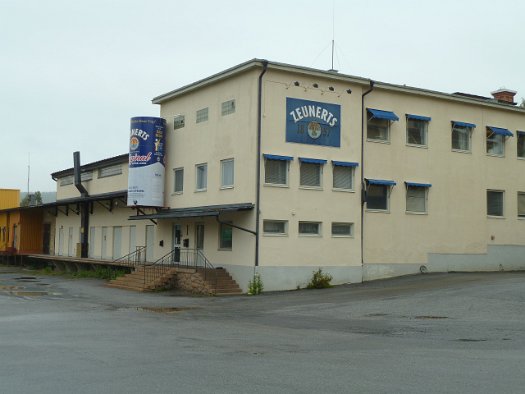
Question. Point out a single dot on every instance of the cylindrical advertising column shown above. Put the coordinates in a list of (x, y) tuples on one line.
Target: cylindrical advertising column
[(146, 161)]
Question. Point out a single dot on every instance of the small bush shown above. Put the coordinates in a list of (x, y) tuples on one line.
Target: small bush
[(255, 286), (319, 280), (106, 273)]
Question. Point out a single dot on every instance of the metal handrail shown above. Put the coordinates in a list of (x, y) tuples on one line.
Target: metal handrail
[(180, 258), (133, 259)]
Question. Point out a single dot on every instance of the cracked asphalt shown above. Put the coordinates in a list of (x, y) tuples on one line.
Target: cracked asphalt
[(439, 333)]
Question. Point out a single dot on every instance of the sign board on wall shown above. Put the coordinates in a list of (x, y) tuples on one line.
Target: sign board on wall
[(313, 122), (146, 161)]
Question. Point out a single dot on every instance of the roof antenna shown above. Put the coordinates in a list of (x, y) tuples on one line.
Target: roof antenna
[(333, 36)]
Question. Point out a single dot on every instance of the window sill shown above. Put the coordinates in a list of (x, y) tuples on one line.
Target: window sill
[(276, 185), (416, 213), (200, 190), (176, 194), (342, 236), (521, 217), (495, 155), (343, 190), (226, 187), (311, 188), (417, 146), (461, 151), (277, 235), (377, 210), (378, 141), (495, 217), (520, 157), (224, 250), (310, 235)]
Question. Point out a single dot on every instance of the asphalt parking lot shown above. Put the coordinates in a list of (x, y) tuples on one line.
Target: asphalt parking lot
[(439, 333)]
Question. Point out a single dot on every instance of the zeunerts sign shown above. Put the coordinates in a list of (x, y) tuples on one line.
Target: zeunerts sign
[(313, 122)]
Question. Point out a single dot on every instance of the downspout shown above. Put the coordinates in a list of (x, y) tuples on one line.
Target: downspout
[(258, 161), (363, 186)]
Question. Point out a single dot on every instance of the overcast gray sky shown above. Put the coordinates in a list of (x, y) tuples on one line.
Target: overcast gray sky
[(72, 73)]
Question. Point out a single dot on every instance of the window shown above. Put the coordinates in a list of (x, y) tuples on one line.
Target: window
[(86, 176), (225, 236), (378, 124), (521, 144), (178, 122), (521, 204), (276, 169), (178, 175), (377, 193), (201, 177), (275, 227), (495, 144), (228, 107), (202, 115), (309, 228), (110, 171), (416, 197), (67, 180), (462, 136), (343, 175), (342, 229), (227, 174), (417, 129), (311, 172), (494, 203)]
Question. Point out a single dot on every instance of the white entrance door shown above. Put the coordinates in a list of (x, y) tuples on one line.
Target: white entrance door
[(117, 242), (150, 242), (132, 239), (70, 242), (104, 239), (60, 241)]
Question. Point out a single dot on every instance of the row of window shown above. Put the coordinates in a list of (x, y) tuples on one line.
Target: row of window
[(102, 172), (280, 227), (379, 122), (201, 176), (202, 115)]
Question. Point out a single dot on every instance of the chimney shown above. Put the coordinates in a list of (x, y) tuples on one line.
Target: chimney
[(504, 96)]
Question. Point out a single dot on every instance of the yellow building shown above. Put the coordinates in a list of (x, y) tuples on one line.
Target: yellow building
[(284, 169)]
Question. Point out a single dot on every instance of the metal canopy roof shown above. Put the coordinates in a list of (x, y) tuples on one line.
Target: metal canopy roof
[(193, 212)]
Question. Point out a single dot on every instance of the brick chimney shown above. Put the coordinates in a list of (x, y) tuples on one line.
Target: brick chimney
[(505, 96)]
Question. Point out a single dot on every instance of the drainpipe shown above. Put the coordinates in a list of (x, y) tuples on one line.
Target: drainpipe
[(84, 206), (258, 175), (363, 186)]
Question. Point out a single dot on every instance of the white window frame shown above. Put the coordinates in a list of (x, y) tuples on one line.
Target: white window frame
[(179, 170), (421, 188), (225, 185), (178, 121), (422, 129), (341, 224), (521, 195), (287, 172), (197, 173), (388, 189), (502, 193), (319, 232), (228, 107), (465, 130), (352, 177), (202, 115), (493, 141), (520, 138), (273, 233), (378, 123), (303, 167)]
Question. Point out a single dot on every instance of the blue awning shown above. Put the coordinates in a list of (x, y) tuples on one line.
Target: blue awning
[(277, 157), (419, 117), (379, 114), (345, 163), (380, 182), (414, 184), (463, 124), (500, 131), (312, 161)]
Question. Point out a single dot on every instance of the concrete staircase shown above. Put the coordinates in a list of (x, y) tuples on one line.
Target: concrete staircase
[(210, 281)]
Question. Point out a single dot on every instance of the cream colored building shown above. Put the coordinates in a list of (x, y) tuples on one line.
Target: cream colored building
[(319, 169)]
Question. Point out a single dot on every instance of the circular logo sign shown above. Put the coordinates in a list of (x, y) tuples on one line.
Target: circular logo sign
[(134, 143), (314, 130)]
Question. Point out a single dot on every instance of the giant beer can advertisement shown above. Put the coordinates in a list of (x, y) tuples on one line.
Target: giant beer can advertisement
[(146, 161)]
